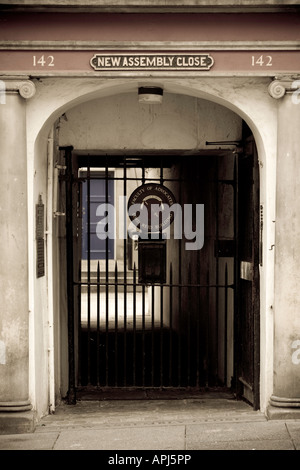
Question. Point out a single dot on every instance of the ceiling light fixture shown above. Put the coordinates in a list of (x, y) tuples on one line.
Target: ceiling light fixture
[(150, 95)]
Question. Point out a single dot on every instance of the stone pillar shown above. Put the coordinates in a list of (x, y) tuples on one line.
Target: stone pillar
[(14, 315), (285, 401)]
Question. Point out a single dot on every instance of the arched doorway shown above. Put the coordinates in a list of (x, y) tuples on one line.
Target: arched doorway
[(195, 325)]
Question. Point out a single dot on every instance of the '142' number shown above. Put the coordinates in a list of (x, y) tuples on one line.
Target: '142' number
[(43, 61), (262, 60)]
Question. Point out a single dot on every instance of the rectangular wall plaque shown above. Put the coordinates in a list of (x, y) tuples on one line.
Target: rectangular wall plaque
[(151, 61)]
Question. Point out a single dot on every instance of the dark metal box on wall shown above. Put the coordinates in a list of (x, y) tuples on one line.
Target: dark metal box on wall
[(152, 262)]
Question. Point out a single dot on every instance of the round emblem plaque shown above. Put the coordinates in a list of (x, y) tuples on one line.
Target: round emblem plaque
[(149, 207)]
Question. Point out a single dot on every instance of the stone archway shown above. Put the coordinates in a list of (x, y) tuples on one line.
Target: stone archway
[(221, 93)]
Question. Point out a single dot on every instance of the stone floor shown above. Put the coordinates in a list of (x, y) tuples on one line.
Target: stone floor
[(183, 424)]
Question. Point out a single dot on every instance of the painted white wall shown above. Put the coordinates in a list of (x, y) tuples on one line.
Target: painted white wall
[(38, 298), (248, 97), (120, 122)]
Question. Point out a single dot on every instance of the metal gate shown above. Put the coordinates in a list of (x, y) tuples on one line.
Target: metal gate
[(129, 330)]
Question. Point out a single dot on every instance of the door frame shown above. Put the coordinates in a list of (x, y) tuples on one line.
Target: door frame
[(253, 389), (72, 360)]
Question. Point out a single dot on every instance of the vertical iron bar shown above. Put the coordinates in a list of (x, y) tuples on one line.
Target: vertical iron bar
[(107, 285), (80, 279), (225, 324), (89, 270), (143, 172), (179, 317), (79, 323), (116, 324), (134, 325), (171, 327), (198, 324), (180, 282), (161, 288), (70, 267), (143, 335), (207, 355), (125, 282), (152, 325), (98, 324), (161, 172), (161, 333), (190, 307), (217, 276), (143, 306)]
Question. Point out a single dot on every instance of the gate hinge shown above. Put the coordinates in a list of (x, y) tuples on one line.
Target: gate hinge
[(60, 167)]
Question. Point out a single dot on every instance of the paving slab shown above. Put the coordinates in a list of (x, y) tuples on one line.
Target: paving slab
[(269, 444), (235, 433), (149, 438), (293, 428), (32, 441)]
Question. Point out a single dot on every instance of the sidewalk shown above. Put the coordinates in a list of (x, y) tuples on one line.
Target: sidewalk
[(160, 425)]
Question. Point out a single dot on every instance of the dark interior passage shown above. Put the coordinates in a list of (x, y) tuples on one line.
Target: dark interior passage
[(177, 332)]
